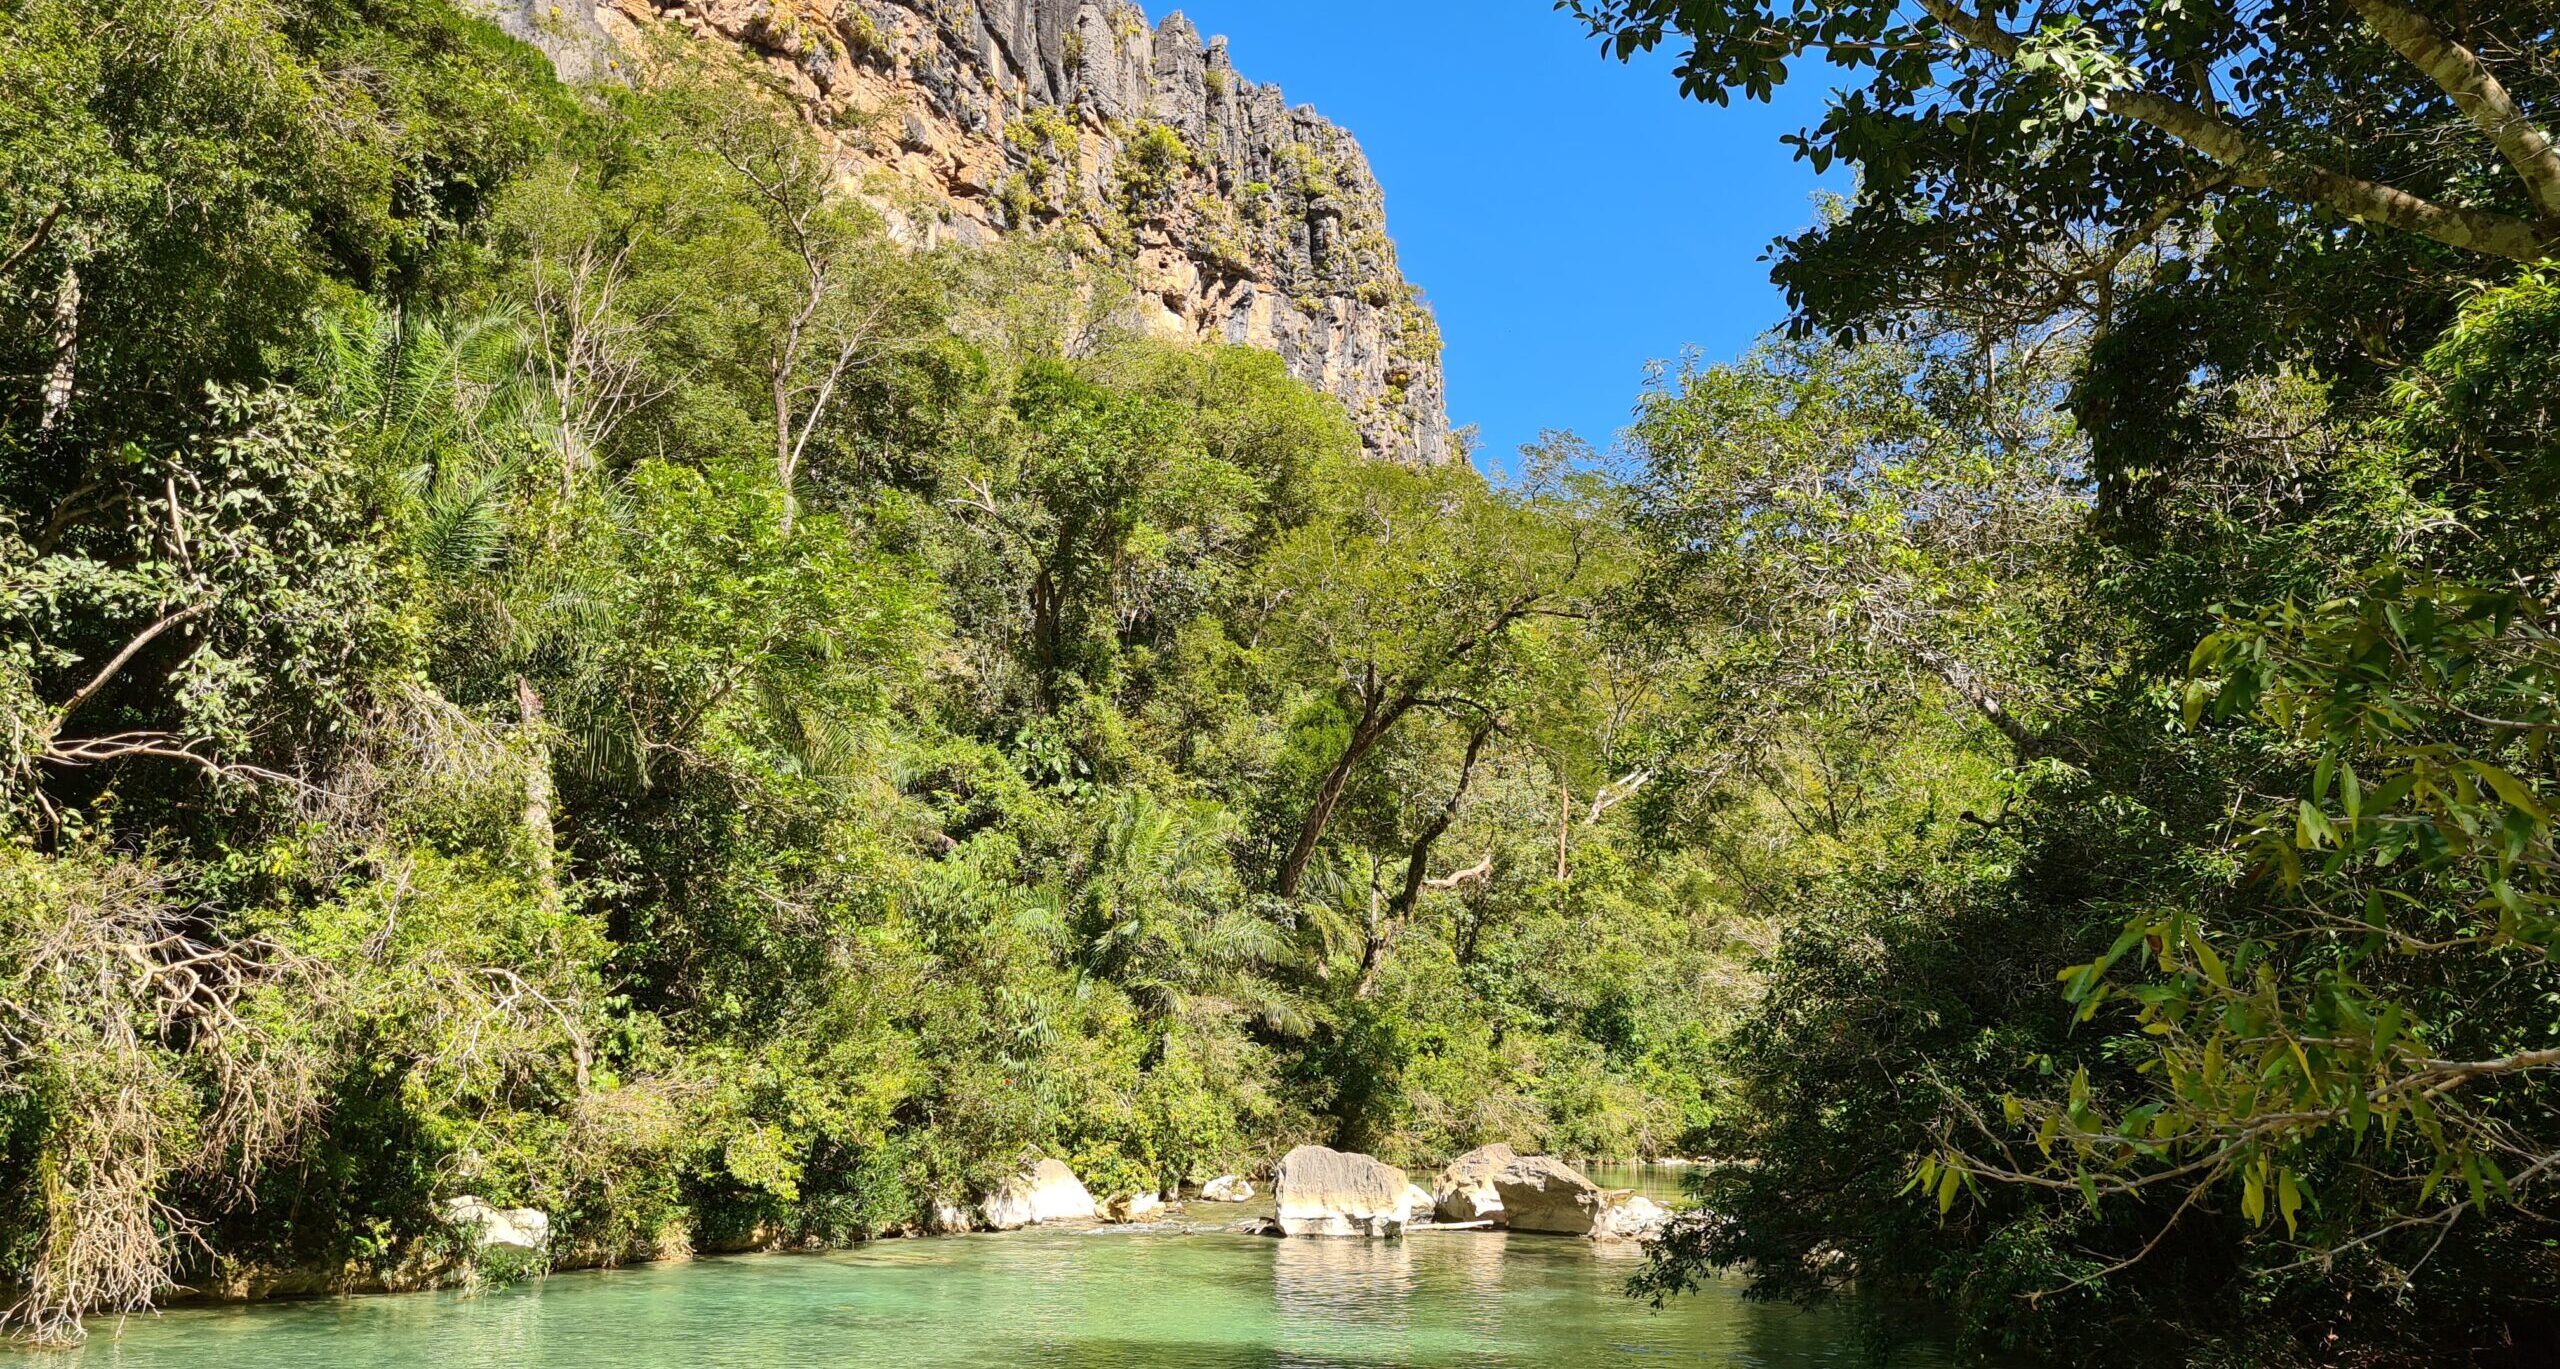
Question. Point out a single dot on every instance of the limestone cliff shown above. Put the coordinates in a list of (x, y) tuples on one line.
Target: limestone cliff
[(1239, 217)]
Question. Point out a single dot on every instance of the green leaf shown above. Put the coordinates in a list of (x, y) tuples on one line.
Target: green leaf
[(2206, 960), (2508, 787)]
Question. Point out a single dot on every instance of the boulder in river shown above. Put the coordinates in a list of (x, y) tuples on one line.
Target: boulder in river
[(1631, 1217), (1417, 1205), (498, 1228), (1324, 1192), (947, 1218), (1464, 1191), (1542, 1193), (1136, 1207), (1227, 1188), (1046, 1192)]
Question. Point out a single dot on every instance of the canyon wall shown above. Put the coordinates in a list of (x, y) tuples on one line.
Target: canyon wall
[(1239, 217)]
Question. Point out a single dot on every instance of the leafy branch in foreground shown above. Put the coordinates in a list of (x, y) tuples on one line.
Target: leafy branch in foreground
[(2306, 1053)]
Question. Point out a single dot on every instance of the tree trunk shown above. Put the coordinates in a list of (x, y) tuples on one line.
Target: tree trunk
[(1364, 739), (784, 467), (2476, 91), (1417, 869), (1564, 822), (66, 354), (1959, 676), (539, 798), (1374, 725)]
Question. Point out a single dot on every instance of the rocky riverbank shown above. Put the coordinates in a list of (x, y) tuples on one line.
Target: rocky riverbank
[(1313, 1192)]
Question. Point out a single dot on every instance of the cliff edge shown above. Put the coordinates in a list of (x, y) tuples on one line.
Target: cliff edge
[(1240, 218)]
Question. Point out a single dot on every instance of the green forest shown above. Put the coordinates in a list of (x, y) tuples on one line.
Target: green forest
[(545, 655)]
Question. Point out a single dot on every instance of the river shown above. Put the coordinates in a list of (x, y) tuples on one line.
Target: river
[(1169, 1298)]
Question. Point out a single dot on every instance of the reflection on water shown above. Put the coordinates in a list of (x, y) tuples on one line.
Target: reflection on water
[(1661, 1183), (1059, 1300)]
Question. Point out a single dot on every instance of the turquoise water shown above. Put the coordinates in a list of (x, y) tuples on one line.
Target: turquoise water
[(1170, 1298)]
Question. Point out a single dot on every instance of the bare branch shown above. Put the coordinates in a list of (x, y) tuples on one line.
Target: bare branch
[(1456, 878), (122, 658)]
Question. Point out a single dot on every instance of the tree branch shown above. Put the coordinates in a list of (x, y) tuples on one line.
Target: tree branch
[(1455, 878), (44, 229), (2260, 165), (122, 658), (2476, 91), (1382, 935)]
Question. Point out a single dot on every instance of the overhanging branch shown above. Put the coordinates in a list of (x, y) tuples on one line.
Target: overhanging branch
[(2253, 162)]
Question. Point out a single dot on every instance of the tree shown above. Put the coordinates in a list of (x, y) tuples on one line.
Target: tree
[(2312, 175), (1410, 590), (177, 189), (816, 297), (1845, 513), (2352, 1040)]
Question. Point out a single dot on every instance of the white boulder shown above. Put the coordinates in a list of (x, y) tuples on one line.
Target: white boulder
[(1137, 1207), (491, 1227), (1632, 1217), (1417, 1204), (1046, 1192), (1325, 1192), (1227, 1188)]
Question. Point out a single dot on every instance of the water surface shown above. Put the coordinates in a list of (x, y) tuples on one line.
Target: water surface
[(1109, 1299)]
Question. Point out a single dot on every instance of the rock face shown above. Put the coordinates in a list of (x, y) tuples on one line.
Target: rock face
[(496, 1228), (1241, 218), (1464, 1191), (1047, 1192), (1542, 1193), (1325, 1192), (1226, 1188)]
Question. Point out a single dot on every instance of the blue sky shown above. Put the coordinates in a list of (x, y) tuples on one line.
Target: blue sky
[(1571, 218)]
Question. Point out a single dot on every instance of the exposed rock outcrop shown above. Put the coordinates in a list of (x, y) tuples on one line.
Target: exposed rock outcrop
[(1464, 1191), (1323, 1192), (1047, 1192), (1542, 1193), (1241, 218), (491, 1227)]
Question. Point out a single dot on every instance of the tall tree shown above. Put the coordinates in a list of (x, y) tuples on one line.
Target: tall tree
[(1411, 590)]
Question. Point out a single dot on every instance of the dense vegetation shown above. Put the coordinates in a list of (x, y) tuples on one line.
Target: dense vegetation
[(2225, 1033), (547, 658)]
